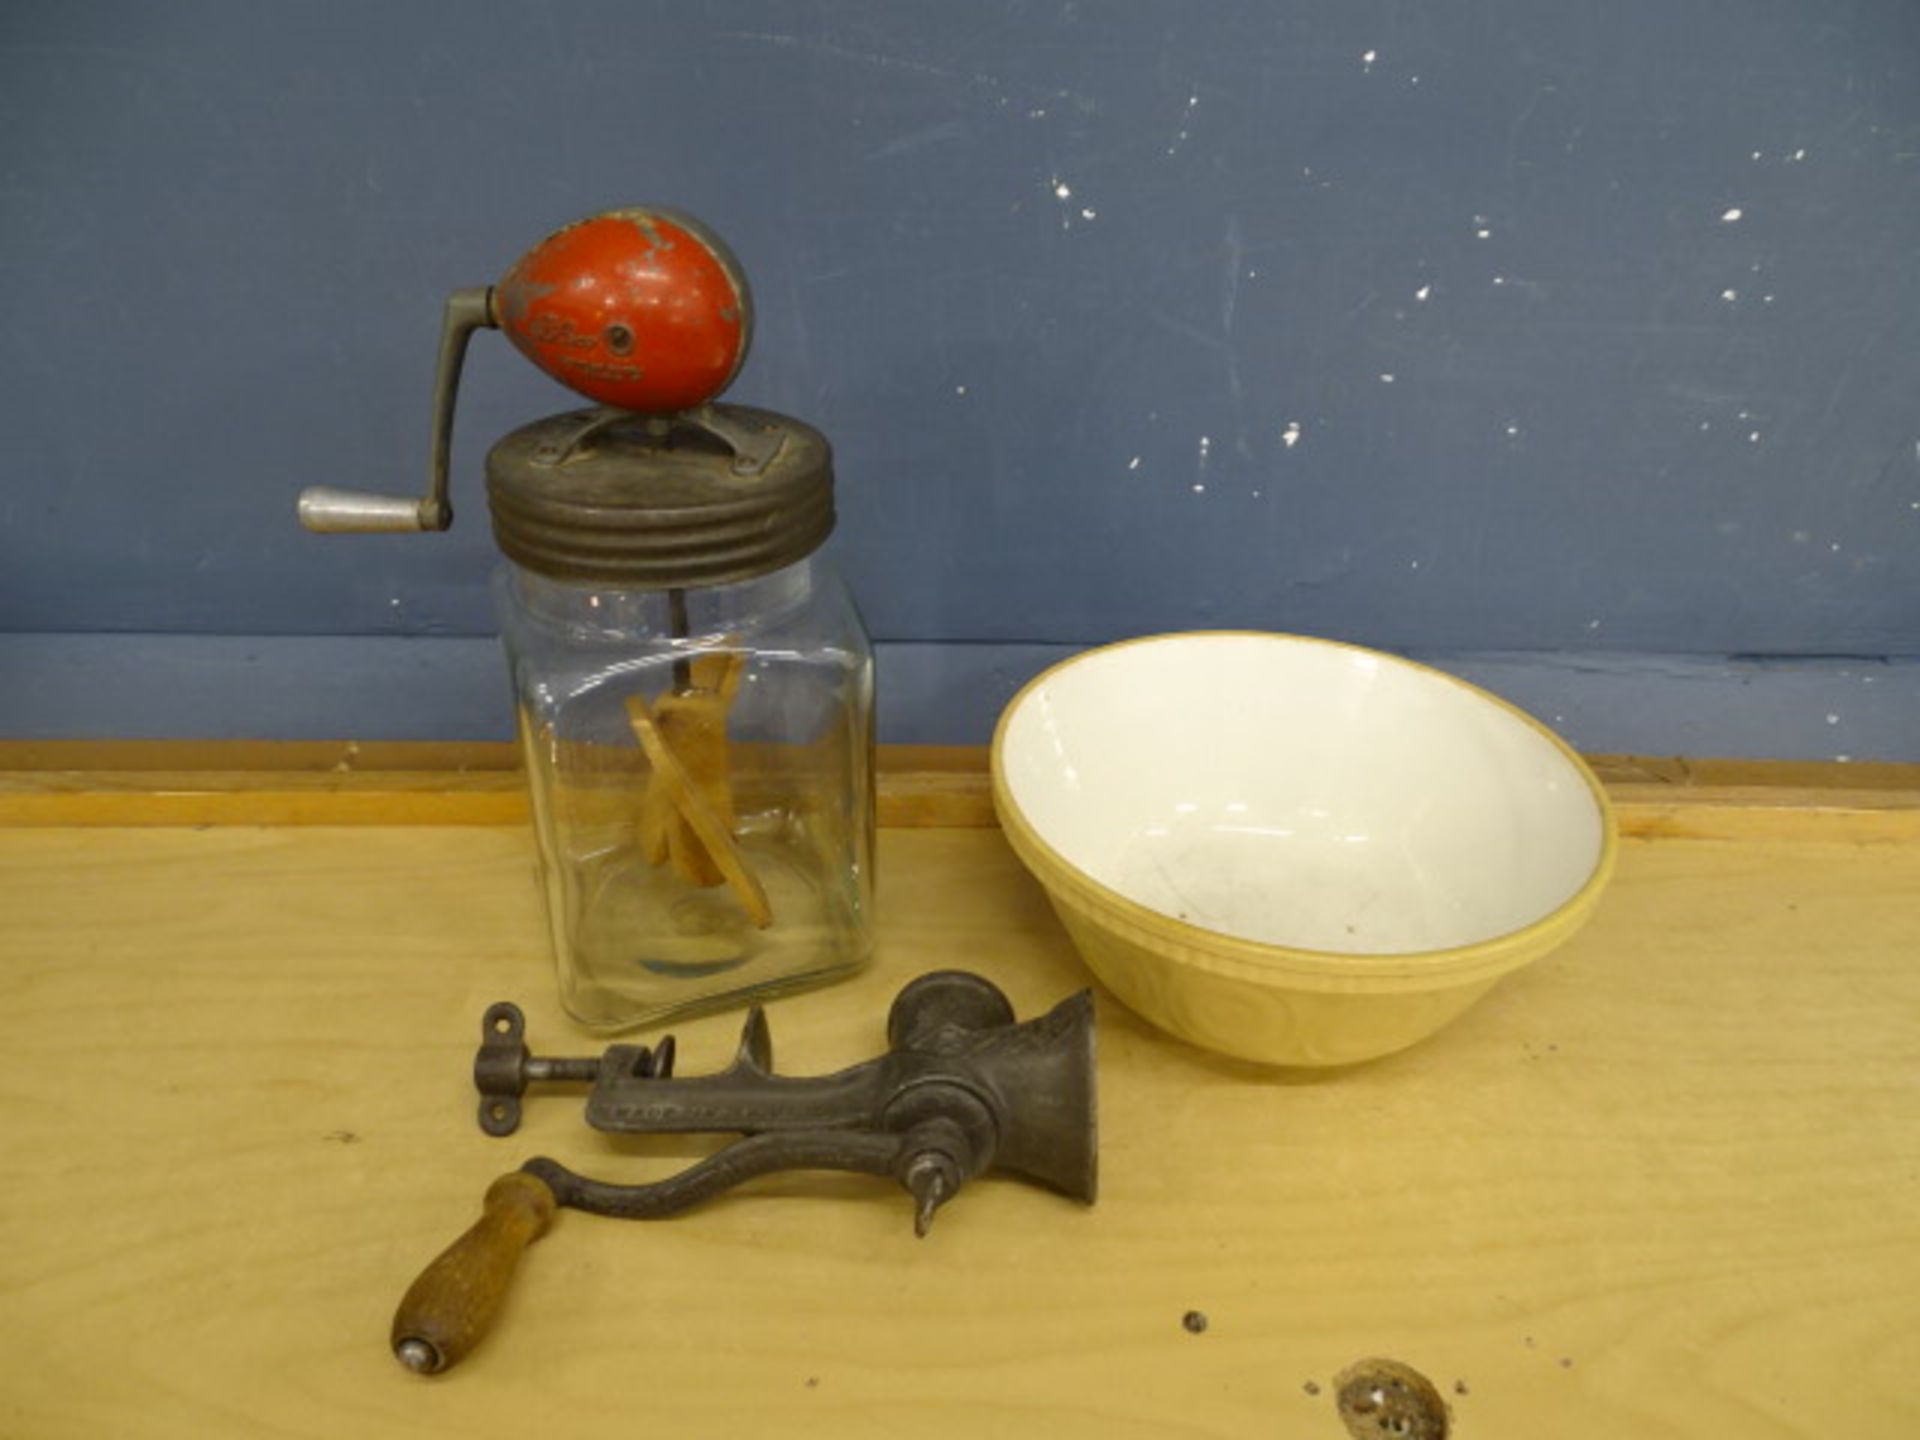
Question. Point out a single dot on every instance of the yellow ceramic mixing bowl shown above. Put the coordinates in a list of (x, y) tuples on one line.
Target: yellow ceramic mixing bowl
[(1291, 850)]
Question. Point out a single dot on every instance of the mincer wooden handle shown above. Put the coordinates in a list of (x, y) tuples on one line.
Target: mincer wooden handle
[(450, 1308)]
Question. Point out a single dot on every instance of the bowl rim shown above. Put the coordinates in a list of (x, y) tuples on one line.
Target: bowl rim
[(1215, 949)]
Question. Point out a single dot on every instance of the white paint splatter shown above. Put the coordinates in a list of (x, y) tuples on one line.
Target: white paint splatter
[(1499, 279), (1386, 378), (1134, 463), (1199, 489), (1413, 565), (1087, 212), (1593, 624), (1290, 436), (1798, 155), (959, 389), (1206, 445), (1753, 437), (1756, 154), (1729, 294), (1512, 429), (1193, 100), (1832, 718), (1367, 59), (1731, 215), (1423, 292), (1063, 192)]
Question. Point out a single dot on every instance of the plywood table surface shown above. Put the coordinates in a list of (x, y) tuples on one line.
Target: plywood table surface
[(1667, 1183)]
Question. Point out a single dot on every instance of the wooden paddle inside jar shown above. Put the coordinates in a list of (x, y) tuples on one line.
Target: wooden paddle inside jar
[(686, 813)]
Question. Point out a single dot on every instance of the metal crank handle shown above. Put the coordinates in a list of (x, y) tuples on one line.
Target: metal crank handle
[(330, 511), (850, 1151), (450, 1308)]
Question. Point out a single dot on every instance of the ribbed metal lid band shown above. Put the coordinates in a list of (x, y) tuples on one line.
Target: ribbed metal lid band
[(664, 560), (627, 510)]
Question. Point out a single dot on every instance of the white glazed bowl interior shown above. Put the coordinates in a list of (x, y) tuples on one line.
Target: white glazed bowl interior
[(1301, 793)]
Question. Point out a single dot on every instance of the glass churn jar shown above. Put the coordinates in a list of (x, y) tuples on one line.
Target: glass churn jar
[(694, 686)]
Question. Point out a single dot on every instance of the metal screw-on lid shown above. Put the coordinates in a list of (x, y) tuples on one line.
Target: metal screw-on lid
[(707, 497)]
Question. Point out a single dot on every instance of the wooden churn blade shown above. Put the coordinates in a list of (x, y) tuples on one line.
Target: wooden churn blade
[(686, 814)]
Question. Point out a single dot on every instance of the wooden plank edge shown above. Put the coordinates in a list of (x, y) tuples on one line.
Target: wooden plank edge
[(280, 757), (342, 757), (916, 787), (1668, 773), (916, 799)]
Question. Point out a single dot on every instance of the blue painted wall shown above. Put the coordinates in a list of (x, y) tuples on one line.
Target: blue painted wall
[(1572, 332)]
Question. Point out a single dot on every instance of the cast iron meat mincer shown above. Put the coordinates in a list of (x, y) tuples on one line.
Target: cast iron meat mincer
[(962, 1088)]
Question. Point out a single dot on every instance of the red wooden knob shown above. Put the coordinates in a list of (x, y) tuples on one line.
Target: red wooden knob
[(641, 309)]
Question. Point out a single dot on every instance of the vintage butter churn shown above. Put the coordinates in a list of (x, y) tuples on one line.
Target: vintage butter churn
[(694, 686)]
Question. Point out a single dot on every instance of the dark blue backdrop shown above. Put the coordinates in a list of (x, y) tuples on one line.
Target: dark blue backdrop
[(1578, 333)]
